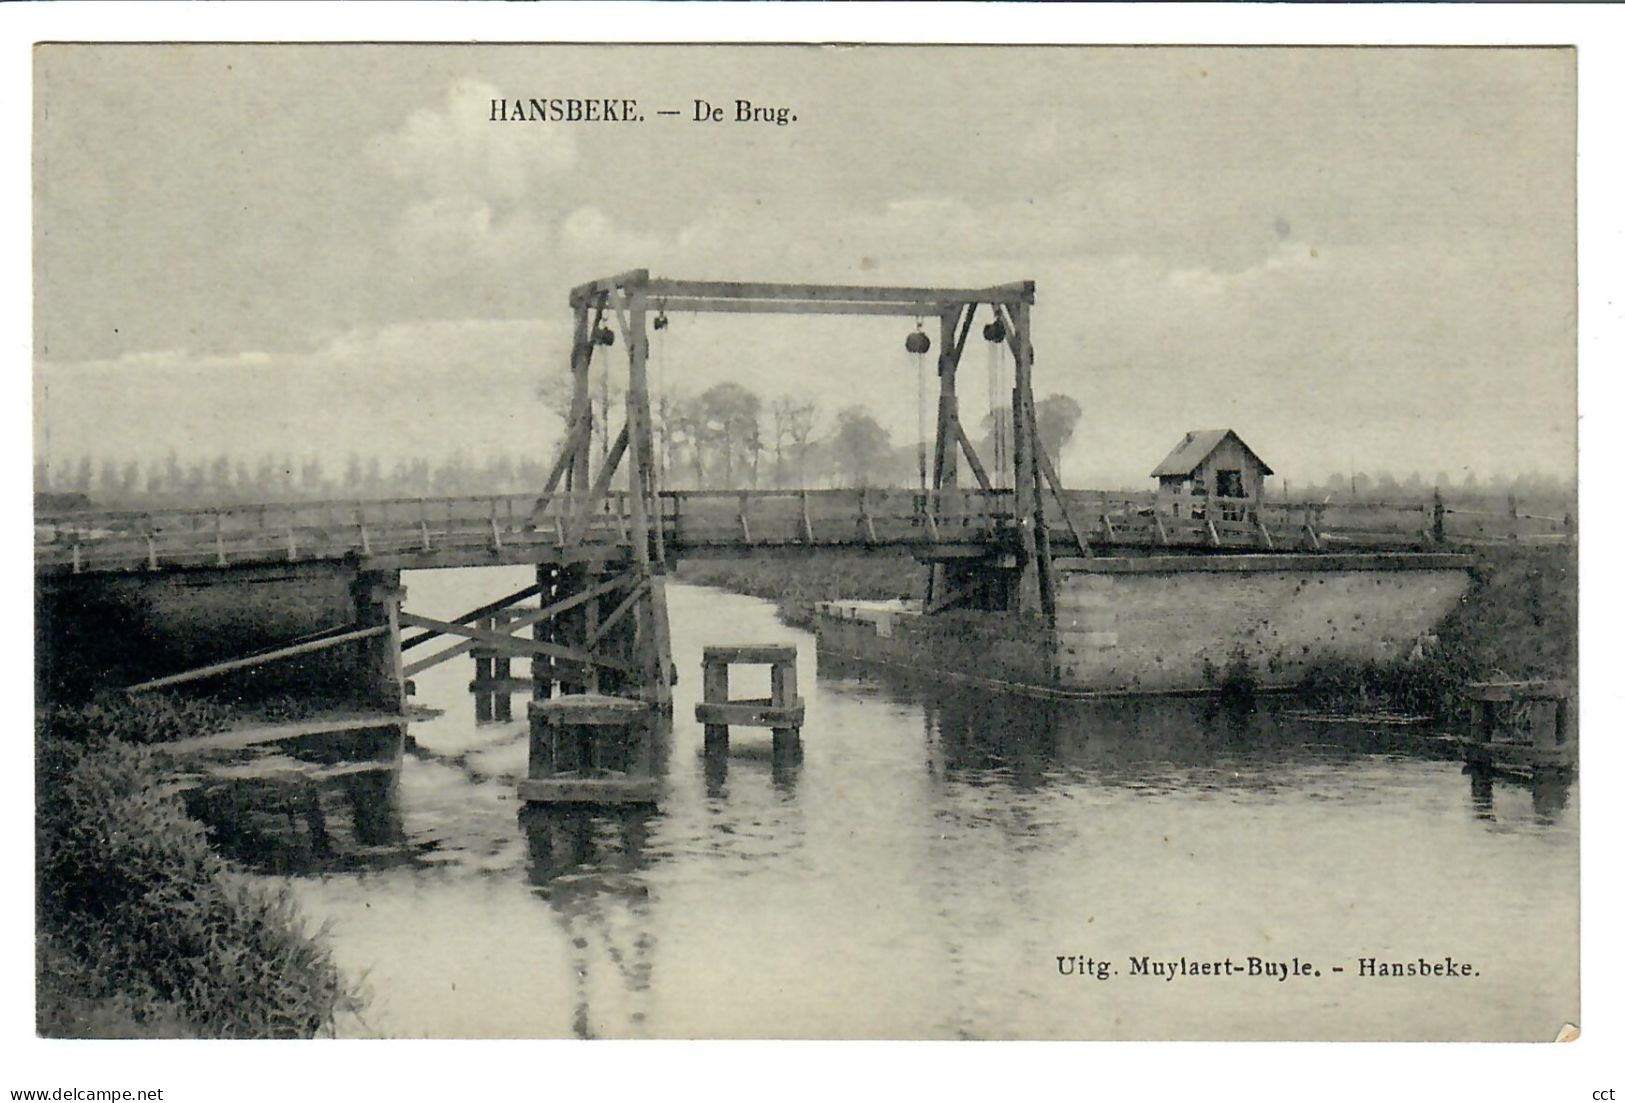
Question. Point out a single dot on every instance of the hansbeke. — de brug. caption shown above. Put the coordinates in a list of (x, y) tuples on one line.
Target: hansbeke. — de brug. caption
[(614, 109)]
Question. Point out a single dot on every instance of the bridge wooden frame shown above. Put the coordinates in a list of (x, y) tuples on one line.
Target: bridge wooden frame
[(601, 548), (990, 580)]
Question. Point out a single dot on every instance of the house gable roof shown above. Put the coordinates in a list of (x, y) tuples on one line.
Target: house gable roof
[(1195, 447)]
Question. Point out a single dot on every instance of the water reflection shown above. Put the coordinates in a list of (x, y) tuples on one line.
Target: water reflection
[(588, 865), (330, 804), (1161, 744), (1548, 790), (916, 871), (783, 759)]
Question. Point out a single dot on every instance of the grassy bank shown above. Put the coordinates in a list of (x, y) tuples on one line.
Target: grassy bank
[(1518, 619), (143, 930), (798, 584)]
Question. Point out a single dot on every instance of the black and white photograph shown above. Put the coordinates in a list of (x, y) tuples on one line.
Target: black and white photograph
[(795, 541)]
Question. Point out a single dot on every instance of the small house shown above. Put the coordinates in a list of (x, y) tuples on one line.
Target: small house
[(1214, 464)]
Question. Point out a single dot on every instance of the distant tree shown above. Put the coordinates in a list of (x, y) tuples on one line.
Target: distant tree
[(731, 418), (218, 481), (780, 410), (862, 447), (1058, 417), (174, 476), (312, 483), (129, 482), (799, 424), (664, 414), (243, 482), (353, 472)]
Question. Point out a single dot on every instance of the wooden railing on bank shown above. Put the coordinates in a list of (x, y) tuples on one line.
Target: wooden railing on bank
[(517, 528)]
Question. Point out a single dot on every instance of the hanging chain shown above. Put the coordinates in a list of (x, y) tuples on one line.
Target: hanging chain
[(919, 420)]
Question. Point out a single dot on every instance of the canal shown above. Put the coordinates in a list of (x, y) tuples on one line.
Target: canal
[(921, 869)]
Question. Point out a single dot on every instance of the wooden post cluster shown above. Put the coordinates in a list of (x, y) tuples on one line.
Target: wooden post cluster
[(1525, 725), (378, 596), (782, 710), (589, 748)]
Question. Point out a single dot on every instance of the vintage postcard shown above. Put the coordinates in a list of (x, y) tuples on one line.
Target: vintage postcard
[(838, 542)]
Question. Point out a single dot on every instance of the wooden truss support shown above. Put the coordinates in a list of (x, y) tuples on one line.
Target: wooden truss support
[(475, 614), (947, 598), (1048, 470), (514, 644), (638, 591), (972, 458), (524, 620), (1036, 564), (260, 658), (600, 487), (956, 325), (575, 438)]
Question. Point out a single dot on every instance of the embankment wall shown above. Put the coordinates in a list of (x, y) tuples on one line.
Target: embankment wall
[(107, 631), (1166, 625)]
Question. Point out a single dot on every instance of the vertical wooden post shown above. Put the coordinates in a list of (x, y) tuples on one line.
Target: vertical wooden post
[(640, 482), (714, 690), (377, 596), (1037, 586), (589, 628), (501, 670), (660, 641), (578, 476), (1438, 517), (945, 468), (786, 741), (541, 666), (482, 676), (542, 734)]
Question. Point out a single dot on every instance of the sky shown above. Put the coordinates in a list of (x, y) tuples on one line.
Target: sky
[(1359, 259)]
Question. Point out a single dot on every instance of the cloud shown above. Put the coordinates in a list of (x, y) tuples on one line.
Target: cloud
[(613, 247), (455, 150), (421, 389), (472, 205)]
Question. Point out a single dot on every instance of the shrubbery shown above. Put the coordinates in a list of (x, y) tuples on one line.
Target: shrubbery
[(143, 718), (143, 928), (1519, 620)]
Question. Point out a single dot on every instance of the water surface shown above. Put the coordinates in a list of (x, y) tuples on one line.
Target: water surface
[(920, 870)]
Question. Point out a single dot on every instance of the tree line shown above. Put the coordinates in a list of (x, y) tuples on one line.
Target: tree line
[(725, 437)]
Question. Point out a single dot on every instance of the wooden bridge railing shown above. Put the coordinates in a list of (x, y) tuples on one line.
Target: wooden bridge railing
[(474, 529), (518, 527)]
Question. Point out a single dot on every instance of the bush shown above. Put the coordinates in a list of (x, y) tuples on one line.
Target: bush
[(142, 718), (143, 926)]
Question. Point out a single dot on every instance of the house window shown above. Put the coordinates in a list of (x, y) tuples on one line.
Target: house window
[(1230, 487)]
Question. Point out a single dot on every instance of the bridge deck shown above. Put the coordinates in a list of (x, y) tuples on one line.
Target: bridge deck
[(520, 529)]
